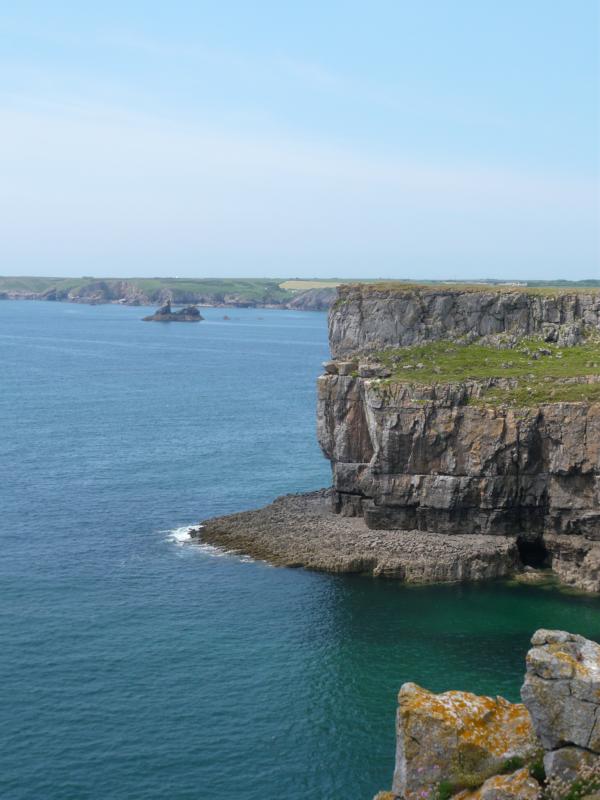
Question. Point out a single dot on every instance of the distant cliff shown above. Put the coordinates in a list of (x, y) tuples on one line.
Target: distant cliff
[(469, 412), (238, 293)]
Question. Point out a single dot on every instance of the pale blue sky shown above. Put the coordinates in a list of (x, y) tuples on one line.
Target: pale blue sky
[(421, 139)]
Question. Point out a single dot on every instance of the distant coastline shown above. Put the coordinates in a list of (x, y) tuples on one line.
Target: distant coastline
[(296, 294), (219, 293)]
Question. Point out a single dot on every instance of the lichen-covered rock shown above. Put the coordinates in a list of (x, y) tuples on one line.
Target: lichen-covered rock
[(518, 786), (456, 737), (562, 690)]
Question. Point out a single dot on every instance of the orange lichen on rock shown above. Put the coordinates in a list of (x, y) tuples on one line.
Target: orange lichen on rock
[(457, 737), (519, 785), (495, 724)]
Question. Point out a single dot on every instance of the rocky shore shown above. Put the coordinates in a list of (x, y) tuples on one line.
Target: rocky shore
[(302, 530), (463, 746)]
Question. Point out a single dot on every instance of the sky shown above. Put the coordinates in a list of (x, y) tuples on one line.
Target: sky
[(401, 139)]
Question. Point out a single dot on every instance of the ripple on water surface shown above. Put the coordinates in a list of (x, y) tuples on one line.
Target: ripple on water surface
[(134, 666)]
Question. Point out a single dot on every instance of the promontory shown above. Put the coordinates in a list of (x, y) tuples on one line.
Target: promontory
[(462, 424)]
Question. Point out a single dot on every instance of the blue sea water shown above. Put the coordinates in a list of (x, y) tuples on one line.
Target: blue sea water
[(133, 667)]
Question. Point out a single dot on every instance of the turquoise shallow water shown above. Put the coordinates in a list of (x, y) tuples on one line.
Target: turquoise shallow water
[(133, 668)]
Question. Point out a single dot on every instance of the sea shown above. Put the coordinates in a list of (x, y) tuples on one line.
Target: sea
[(135, 665)]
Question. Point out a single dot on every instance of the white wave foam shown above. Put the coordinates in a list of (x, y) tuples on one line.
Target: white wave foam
[(182, 536)]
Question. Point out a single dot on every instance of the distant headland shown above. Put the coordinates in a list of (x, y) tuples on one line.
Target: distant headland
[(295, 294)]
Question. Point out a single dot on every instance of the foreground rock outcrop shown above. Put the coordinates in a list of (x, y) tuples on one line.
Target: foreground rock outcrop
[(457, 738), (458, 745), (562, 690)]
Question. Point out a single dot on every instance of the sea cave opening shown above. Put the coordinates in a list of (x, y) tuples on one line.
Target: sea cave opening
[(533, 552)]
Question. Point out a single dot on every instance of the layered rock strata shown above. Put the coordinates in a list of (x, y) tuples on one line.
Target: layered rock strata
[(370, 317), (434, 456), (462, 746)]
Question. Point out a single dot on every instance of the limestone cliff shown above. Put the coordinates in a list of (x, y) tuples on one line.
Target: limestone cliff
[(493, 429), (374, 316)]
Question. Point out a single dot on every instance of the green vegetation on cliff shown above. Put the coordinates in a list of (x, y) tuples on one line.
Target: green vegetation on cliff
[(253, 290), (541, 372), (530, 287)]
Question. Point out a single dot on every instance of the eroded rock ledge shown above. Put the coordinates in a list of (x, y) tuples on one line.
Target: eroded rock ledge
[(303, 531), (462, 746)]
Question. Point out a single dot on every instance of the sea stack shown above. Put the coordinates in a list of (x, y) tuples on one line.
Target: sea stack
[(166, 314)]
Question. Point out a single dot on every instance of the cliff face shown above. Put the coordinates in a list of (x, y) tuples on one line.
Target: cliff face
[(366, 318), (440, 456)]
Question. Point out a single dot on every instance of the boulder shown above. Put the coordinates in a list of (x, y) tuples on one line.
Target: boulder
[(346, 367), (567, 762), (458, 738), (518, 786), (562, 690)]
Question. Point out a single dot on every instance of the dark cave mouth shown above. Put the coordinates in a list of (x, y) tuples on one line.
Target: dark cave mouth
[(533, 552)]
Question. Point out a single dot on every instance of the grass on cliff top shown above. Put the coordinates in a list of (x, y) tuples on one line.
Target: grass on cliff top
[(540, 369), (537, 288), (251, 289)]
